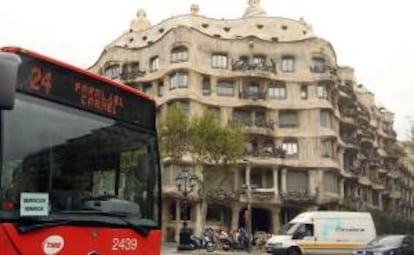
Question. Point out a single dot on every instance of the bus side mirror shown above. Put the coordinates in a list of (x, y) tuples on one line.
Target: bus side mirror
[(9, 67)]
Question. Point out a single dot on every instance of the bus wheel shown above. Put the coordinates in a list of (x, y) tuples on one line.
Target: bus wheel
[(294, 251)]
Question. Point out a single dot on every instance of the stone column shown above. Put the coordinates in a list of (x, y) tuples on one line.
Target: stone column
[(164, 218), (248, 168), (275, 219), (235, 210), (380, 204), (284, 180), (276, 181), (312, 181), (237, 184), (342, 188), (198, 219)]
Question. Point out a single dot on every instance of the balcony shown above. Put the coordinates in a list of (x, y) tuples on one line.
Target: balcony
[(348, 112), (267, 152), (346, 88), (349, 139), (253, 95), (298, 197), (131, 75), (245, 66), (257, 123)]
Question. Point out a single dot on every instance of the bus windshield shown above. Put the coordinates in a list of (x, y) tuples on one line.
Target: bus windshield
[(68, 160)]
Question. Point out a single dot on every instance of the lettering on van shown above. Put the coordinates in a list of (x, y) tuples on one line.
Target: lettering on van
[(349, 229)]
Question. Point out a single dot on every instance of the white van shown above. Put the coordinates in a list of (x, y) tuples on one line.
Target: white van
[(323, 232)]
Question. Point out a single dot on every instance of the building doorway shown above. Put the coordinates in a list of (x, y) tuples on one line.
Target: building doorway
[(261, 219)]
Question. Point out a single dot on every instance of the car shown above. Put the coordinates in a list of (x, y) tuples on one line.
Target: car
[(388, 245)]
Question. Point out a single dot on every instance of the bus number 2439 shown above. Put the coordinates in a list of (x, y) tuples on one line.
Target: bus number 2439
[(124, 244)]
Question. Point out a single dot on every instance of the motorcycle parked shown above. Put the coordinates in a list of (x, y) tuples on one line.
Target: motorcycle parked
[(239, 242), (207, 241)]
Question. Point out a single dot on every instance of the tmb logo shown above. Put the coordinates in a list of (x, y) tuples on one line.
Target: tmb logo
[(53, 245)]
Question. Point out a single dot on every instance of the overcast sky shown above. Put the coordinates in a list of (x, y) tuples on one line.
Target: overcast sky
[(374, 37)]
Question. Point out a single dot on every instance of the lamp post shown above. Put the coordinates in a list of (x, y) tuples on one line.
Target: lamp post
[(185, 182), (249, 189)]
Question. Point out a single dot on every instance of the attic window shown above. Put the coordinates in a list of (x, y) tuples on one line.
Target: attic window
[(149, 42), (144, 38), (205, 25), (305, 32), (131, 39), (130, 30), (275, 39), (217, 35), (161, 30), (227, 29), (284, 27), (259, 26)]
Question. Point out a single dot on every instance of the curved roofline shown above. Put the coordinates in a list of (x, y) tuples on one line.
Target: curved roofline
[(218, 19), (212, 37)]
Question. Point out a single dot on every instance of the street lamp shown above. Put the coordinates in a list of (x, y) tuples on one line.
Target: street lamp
[(249, 188), (185, 182)]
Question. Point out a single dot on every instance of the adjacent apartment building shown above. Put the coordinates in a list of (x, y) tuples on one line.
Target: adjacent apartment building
[(317, 140)]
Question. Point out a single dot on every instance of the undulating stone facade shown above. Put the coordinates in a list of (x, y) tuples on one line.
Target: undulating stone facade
[(316, 138)]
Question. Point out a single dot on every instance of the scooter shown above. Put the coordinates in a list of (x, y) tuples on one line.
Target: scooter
[(205, 242), (242, 242)]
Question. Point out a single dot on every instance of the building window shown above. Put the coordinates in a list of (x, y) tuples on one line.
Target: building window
[(288, 64), (215, 213), (147, 88), (318, 65), (179, 54), (242, 116), (290, 147), (183, 105), (225, 88), (179, 80), (322, 91), (206, 86), (277, 91), (160, 89), (154, 64), (288, 119), (169, 174), (259, 62), (326, 118), (304, 92), (297, 181), (219, 61), (327, 148), (330, 182), (253, 89), (112, 71)]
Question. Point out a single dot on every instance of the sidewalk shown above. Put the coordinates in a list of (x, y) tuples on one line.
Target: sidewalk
[(171, 249)]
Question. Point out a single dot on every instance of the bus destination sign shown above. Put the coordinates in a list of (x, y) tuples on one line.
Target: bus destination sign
[(54, 82)]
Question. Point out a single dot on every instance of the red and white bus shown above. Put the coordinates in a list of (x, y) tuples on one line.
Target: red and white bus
[(79, 161)]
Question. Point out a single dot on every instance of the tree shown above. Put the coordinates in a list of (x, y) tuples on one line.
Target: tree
[(174, 136), (211, 145)]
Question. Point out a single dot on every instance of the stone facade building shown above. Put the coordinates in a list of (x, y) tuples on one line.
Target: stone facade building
[(316, 138)]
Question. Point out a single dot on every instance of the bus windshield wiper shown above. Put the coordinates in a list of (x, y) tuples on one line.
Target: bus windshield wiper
[(123, 217), (31, 224)]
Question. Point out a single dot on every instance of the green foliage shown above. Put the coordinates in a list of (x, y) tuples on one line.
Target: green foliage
[(214, 143), (203, 136), (174, 134)]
